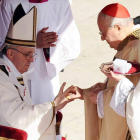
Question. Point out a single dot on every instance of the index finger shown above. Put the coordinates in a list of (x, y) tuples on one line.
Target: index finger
[(62, 87), (50, 33)]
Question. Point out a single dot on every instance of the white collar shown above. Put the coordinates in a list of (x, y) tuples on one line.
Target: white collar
[(14, 69), (136, 26)]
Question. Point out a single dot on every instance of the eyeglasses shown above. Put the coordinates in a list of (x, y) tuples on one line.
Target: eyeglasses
[(103, 34), (28, 56)]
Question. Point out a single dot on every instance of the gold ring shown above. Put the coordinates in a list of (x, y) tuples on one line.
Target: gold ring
[(68, 97)]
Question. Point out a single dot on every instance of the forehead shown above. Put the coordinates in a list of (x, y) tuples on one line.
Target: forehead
[(26, 49), (102, 23)]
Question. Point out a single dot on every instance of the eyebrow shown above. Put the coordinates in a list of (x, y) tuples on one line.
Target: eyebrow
[(29, 52)]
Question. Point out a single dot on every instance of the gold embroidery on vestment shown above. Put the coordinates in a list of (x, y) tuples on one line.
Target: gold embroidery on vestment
[(135, 35)]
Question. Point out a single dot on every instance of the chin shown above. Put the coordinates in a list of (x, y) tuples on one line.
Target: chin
[(111, 47), (115, 48), (25, 70)]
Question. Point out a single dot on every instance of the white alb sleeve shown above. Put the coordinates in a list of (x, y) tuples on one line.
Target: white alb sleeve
[(100, 107), (120, 96)]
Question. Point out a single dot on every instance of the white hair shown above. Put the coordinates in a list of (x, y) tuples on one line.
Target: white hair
[(111, 21), (7, 46)]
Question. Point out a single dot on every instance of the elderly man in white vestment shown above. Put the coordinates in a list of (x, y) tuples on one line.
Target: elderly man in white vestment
[(58, 17), (17, 109), (58, 43)]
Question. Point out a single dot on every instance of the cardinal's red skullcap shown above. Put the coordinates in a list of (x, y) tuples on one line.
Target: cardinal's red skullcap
[(116, 10)]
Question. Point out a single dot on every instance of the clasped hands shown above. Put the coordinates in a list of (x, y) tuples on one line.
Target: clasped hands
[(67, 96), (74, 92)]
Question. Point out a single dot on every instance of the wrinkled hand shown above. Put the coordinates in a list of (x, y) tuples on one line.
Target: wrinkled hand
[(93, 96), (61, 100), (77, 93), (114, 77), (46, 39), (94, 90), (98, 86)]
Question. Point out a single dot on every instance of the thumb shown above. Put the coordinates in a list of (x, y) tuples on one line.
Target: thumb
[(44, 30), (62, 88), (112, 74)]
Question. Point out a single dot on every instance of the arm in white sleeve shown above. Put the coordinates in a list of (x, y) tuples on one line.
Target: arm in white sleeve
[(14, 112), (120, 95), (5, 19), (100, 104), (68, 44)]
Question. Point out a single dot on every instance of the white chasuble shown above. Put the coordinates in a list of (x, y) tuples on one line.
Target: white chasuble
[(42, 76), (57, 15), (17, 110)]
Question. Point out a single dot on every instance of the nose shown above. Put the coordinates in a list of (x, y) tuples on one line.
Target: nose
[(31, 59), (102, 38)]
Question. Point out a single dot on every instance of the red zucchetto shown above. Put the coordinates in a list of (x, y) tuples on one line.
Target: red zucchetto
[(116, 10)]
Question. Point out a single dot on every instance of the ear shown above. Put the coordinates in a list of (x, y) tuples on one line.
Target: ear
[(10, 54), (118, 28)]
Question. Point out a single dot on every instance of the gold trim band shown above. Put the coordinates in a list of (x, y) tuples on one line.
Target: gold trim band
[(34, 24), (23, 43), (53, 105), (2, 138), (19, 39)]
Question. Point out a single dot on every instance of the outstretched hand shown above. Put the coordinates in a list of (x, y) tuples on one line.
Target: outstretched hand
[(93, 96), (67, 96), (77, 93), (95, 90), (63, 97)]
